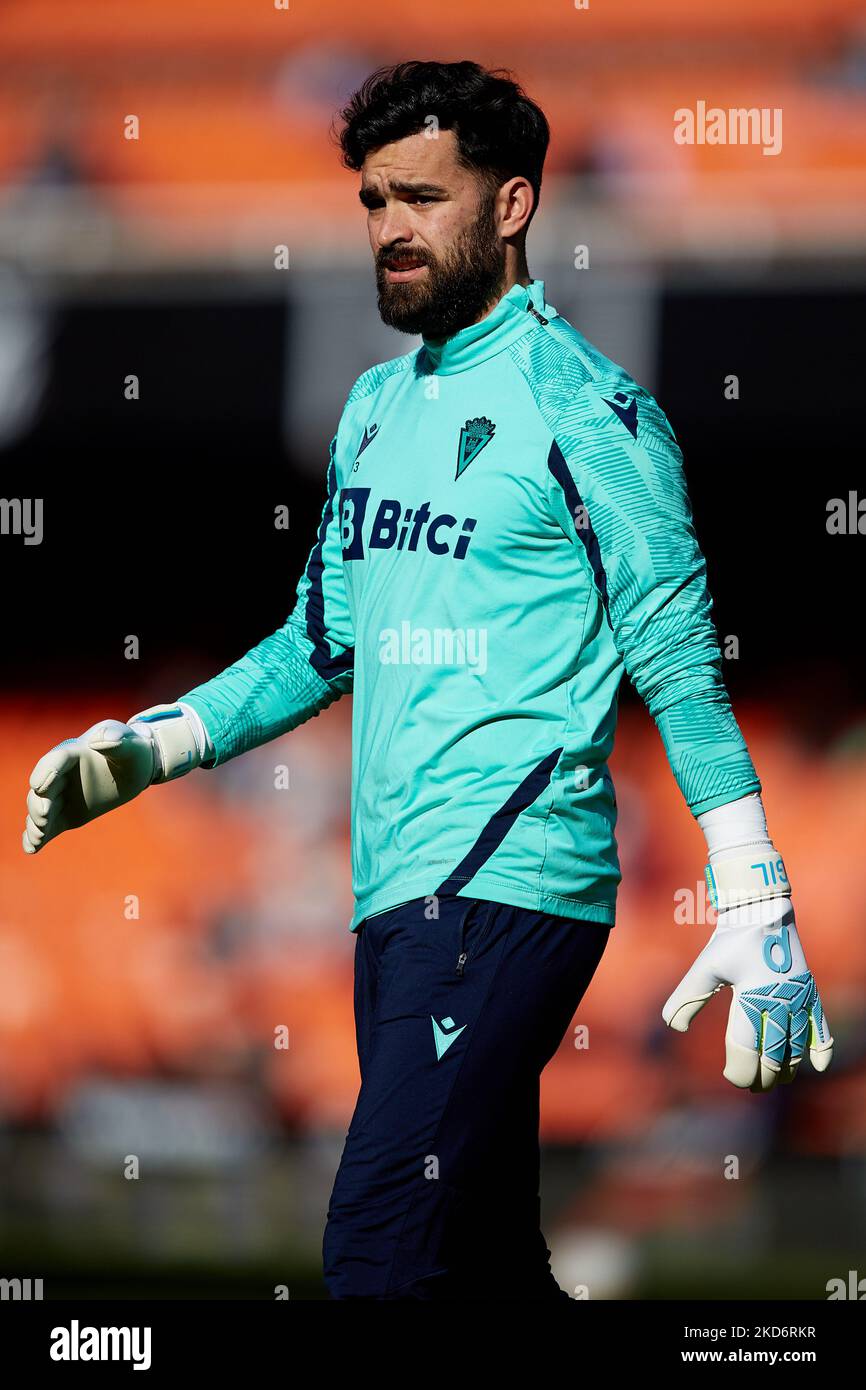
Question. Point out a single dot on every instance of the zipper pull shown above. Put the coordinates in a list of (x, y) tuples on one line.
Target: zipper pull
[(461, 961), (536, 315)]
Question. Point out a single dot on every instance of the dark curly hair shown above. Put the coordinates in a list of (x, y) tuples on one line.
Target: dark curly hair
[(500, 133)]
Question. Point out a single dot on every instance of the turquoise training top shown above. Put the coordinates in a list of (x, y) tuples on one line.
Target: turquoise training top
[(507, 529)]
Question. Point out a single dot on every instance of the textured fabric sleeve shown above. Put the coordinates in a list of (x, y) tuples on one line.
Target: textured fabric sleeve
[(617, 484), (295, 672)]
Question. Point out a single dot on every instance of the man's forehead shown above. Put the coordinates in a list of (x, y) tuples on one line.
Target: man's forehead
[(415, 158)]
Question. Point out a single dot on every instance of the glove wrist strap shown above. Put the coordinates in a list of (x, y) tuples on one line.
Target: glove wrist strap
[(175, 746), (748, 876)]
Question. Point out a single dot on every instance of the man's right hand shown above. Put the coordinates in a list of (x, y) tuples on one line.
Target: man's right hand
[(84, 777)]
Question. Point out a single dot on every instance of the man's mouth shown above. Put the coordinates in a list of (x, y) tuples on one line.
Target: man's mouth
[(408, 269)]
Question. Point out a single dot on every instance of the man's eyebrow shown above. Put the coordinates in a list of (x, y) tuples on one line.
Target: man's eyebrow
[(426, 190)]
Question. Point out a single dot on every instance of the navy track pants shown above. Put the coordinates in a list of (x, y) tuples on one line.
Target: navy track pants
[(437, 1193)]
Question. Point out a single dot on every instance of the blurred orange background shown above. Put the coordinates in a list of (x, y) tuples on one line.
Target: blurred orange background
[(146, 960)]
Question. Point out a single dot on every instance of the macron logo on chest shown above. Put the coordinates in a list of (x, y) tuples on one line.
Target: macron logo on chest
[(370, 432)]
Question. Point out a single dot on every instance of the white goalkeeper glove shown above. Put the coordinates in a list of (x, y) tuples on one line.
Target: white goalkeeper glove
[(108, 765), (776, 1010)]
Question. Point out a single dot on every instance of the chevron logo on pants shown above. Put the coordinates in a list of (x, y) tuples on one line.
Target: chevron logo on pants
[(442, 1038)]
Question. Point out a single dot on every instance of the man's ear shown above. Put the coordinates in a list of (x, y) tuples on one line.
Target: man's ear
[(517, 198)]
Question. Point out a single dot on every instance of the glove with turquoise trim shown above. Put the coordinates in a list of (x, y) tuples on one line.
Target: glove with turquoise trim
[(776, 1011)]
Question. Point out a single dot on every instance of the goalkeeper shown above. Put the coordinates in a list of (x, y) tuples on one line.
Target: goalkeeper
[(506, 532)]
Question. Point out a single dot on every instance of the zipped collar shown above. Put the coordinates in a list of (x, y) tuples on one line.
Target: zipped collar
[(518, 312)]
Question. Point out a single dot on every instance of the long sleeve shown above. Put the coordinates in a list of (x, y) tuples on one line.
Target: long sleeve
[(618, 484), (295, 672)]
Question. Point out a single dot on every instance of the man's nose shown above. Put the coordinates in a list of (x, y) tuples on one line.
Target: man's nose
[(394, 225)]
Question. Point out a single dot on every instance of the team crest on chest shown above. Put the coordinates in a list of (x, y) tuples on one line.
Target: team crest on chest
[(473, 436)]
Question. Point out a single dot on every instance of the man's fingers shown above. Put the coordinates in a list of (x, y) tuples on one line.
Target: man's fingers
[(750, 1070), (33, 837), (45, 799), (691, 994), (769, 1074), (741, 1064), (679, 1012), (41, 826), (820, 1038), (38, 808), (821, 1054), (53, 766), (108, 735), (758, 1043)]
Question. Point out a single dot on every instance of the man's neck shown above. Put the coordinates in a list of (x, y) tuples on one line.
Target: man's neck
[(520, 276)]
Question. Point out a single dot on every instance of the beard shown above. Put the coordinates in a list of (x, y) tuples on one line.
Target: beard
[(458, 287)]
